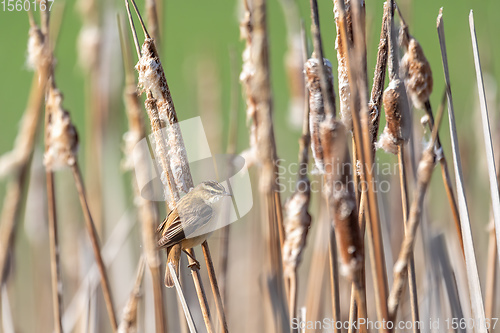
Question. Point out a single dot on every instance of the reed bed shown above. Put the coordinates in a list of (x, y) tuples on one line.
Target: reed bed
[(334, 245)]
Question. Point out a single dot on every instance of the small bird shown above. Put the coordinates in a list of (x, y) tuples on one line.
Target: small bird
[(190, 223)]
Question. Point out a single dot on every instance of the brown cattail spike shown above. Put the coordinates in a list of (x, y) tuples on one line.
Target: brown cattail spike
[(415, 69), (316, 104), (297, 223), (61, 141), (397, 128), (340, 193)]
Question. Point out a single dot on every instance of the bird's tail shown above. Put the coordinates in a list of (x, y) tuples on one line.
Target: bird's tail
[(173, 257)]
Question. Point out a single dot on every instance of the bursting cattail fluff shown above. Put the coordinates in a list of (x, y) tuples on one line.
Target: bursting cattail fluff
[(339, 191), (415, 70), (316, 105), (35, 48), (152, 78), (61, 141), (246, 76), (297, 222), (343, 70), (397, 127)]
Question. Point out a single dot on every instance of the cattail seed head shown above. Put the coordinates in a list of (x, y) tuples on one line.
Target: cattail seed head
[(61, 140), (316, 105), (297, 222), (339, 191), (35, 48), (416, 71), (397, 127)]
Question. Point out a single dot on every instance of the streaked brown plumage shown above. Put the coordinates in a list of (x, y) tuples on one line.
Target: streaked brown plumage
[(189, 224)]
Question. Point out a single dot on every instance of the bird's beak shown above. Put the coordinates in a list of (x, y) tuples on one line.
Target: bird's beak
[(227, 194)]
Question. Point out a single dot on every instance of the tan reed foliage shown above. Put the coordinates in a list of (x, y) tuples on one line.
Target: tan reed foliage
[(417, 74), (343, 69), (316, 107), (128, 323), (147, 210), (176, 175)]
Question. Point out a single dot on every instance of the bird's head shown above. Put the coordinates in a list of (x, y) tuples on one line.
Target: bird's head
[(211, 191)]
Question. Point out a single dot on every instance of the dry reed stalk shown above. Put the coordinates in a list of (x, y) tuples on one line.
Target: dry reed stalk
[(445, 174), (339, 191), (495, 194), (23, 148), (255, 76), (425, 168), (246, 78), (343, 70), (153, 20), (374, 109), (491, 274), (396, 133), (361, 128), (161, 108), (294, 62), (189, 319), (89, 223), (320, 85), (398, 123), (439, 247), (91, 59), (215, 287), (375, 103), (128, 323), (200, 291), (176, 175), (474, 284), (297, 219), (90, 282), (147, 210), (319, 262), (55, 270), (417, 74)]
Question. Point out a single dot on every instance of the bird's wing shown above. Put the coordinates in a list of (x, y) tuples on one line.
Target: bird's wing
[(174, 230)]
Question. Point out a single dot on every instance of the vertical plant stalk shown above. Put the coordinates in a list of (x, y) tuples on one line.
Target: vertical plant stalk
[(51, 200), (153, 20), (128, 323), (260, 108), (361, 128), (342, 23), (176, 174), (318, 147), (398, 131), (200, 291), (297, 219), (322, 110), (23, 149), (424, 174), (374, 109), (94, 238), (189, 318), (474, 285), (445, 174), (491, 274), (215, 287), (152, 78), (147, 210), (495, 195), (55, 271), (375, 103)]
